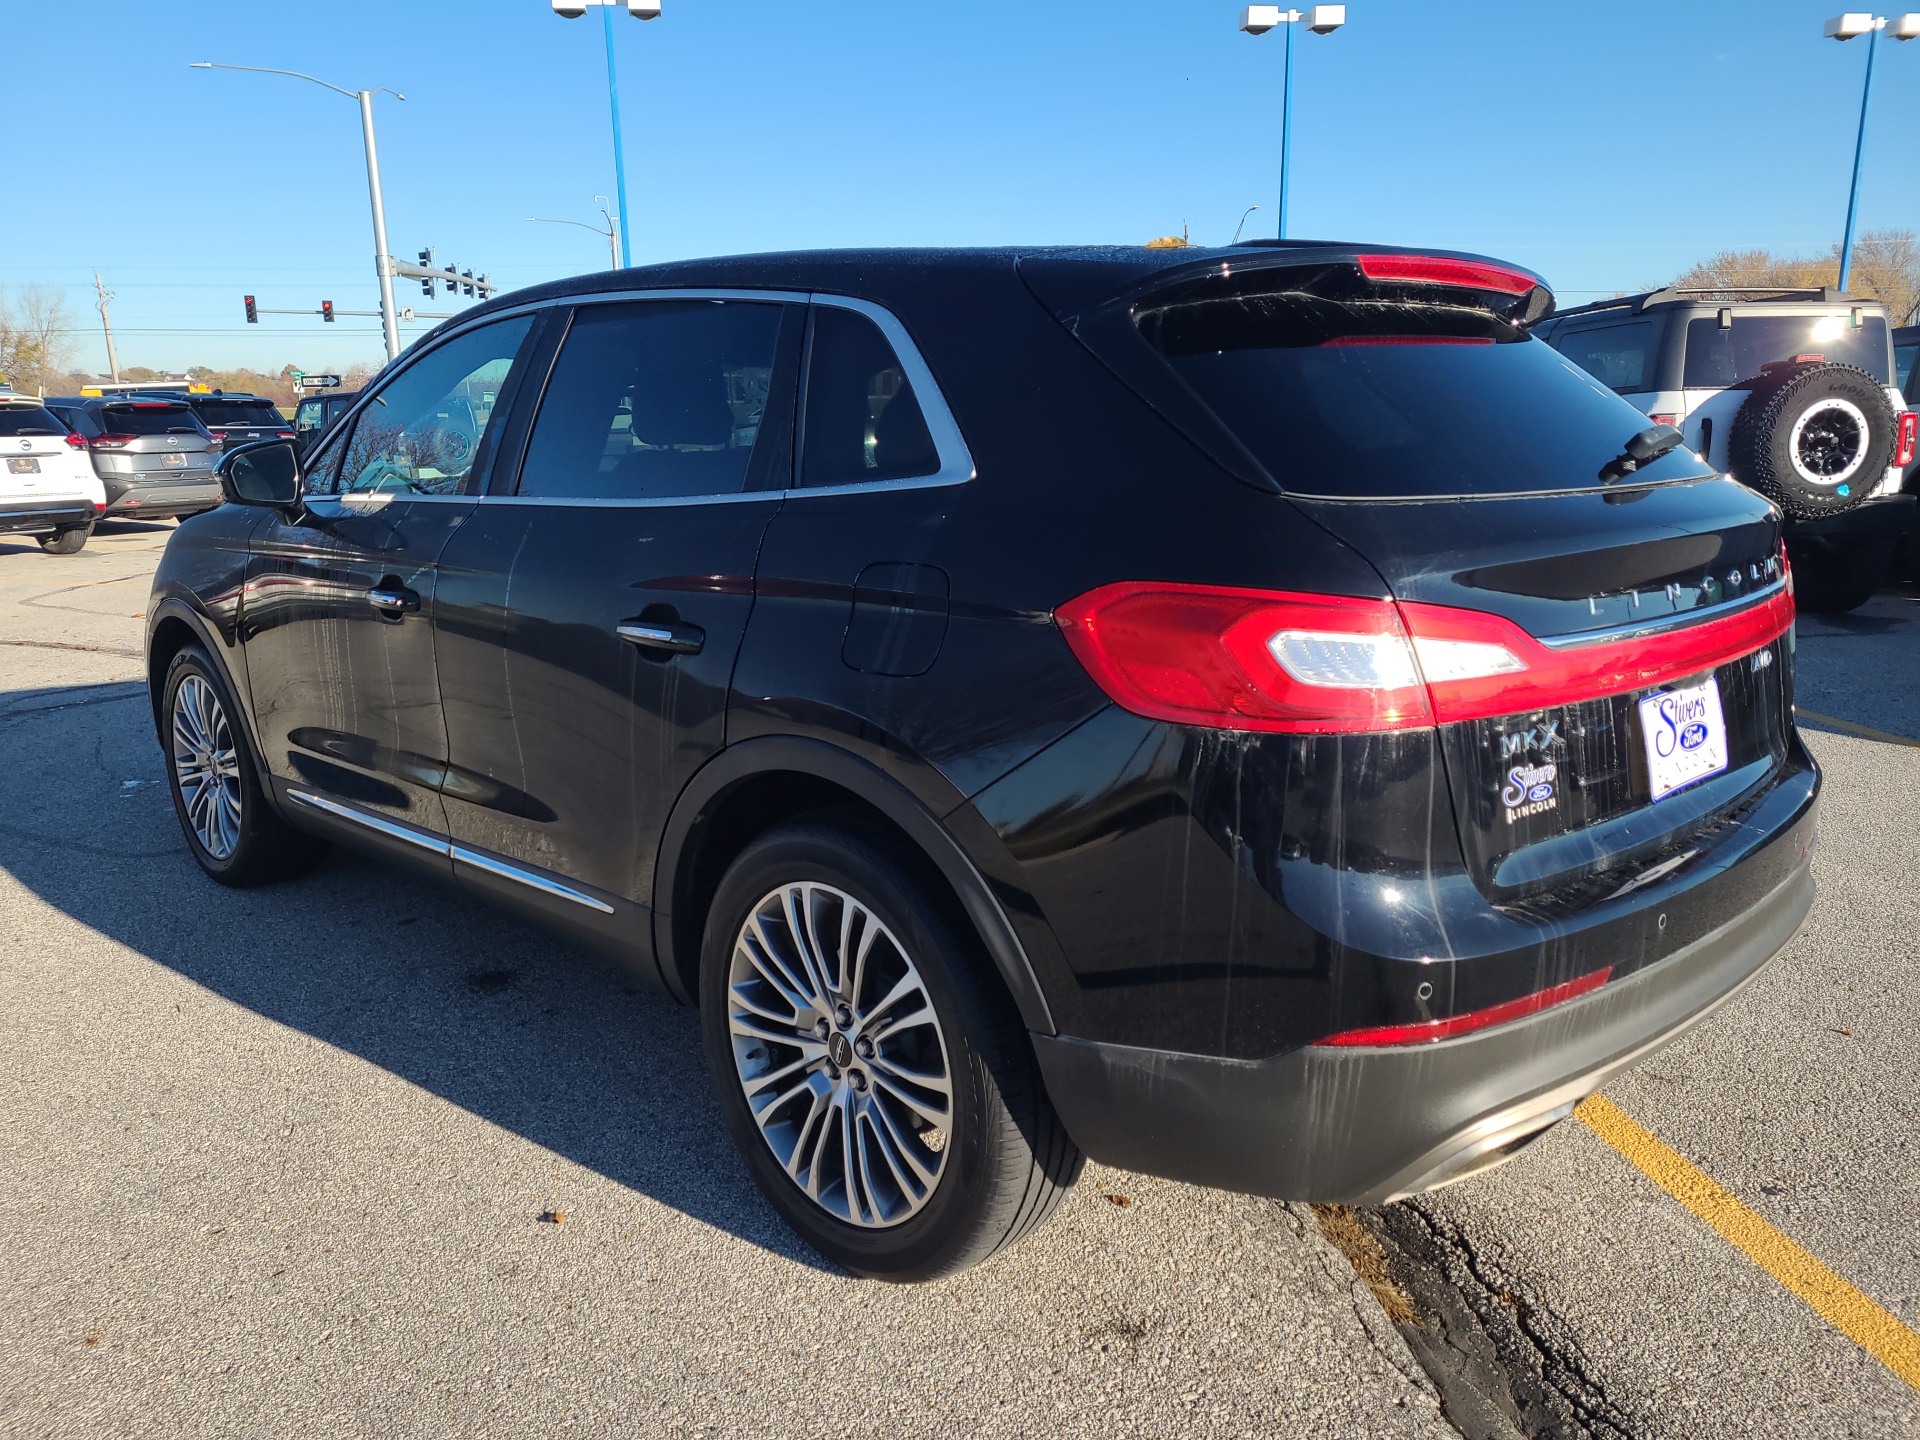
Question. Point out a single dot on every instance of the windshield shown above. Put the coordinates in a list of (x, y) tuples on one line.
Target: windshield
[(149, 419), (29, 420), (238, 412), (1719, 356), (1391, 399)]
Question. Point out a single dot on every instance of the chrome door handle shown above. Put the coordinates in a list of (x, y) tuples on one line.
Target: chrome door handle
[(394, 603), (670, 636)]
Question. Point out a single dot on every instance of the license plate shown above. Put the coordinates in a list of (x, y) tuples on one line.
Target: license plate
[(1685, 734), (17, 465), (174, 462)]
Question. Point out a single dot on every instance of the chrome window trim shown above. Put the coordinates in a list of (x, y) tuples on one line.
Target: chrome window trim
[(441, 845), (956, 461), (1665, 623)]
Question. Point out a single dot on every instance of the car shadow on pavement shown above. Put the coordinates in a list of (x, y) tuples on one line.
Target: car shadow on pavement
[(412, 975)]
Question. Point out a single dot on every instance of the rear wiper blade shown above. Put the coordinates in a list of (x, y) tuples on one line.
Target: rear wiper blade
[(1642, 449)]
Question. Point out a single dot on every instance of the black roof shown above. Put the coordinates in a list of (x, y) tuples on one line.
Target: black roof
[(1088, 273)]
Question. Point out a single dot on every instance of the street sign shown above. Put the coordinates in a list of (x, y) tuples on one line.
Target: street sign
[(317, 382)]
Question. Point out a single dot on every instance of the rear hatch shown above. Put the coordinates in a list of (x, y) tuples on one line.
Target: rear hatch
[(1514, 507), (36, 462), (155, 442), (241, 422)]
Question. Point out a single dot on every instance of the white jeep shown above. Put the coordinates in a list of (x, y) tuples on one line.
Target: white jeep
[(1791, 392)]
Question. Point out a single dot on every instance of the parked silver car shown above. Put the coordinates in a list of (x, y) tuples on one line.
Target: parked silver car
[(153, 456)]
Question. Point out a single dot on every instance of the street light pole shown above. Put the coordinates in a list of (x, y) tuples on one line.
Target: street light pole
[(1321, 20), (1846, 27), (639, 10), (609, 234), (382, 259)]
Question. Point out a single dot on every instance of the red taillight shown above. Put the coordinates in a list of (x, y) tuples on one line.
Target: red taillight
[(1670, 418), (111, 442), (286, 435), (1331, 664), (1422, 1032), (77, 441), (1248, 659), (99, 504), (1903, 446), (1444, 270)]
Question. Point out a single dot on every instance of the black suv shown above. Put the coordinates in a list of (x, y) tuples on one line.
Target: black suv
[(238, 418), (1254, 716), (315, 413), (154, 457)]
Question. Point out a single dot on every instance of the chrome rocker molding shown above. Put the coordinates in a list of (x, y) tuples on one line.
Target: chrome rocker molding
[(441, 845)]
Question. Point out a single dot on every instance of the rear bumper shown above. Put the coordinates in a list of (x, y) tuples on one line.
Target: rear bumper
[(45, 515), (174, 498), (1366, 1125)]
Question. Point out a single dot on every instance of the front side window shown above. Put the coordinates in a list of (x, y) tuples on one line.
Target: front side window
[(421, 431), (863, 421), (1719, 356), (1615, 355), (655, 399), (309, 415)]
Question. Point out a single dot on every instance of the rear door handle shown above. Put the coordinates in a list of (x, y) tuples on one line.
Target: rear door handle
[(393, 602), (671, 636)]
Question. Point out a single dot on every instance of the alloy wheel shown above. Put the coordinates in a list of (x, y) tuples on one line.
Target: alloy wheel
[(840, 1054), (1829, 441), (206, 767)]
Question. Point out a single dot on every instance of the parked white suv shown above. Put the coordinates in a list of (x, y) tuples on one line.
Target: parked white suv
[(47, 484), (1792, 392)]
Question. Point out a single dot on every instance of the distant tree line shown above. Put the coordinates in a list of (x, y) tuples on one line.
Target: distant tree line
[(1886, 267)]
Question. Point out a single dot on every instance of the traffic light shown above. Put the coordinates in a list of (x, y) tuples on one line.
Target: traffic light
[(326, 311), (468, 274), (426, 286), (253, 315)]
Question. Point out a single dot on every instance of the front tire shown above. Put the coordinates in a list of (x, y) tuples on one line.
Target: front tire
[(66, 542), (232, 831), (871, 1066)]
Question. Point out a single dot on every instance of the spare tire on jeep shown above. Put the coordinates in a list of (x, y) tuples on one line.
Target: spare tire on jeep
[(1815, 438)]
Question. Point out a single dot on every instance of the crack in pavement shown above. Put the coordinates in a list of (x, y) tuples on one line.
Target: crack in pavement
[(64, 645), (1505, 1366)]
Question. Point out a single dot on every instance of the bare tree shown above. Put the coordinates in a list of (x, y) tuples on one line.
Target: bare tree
[(1886, 267), (35, 343)]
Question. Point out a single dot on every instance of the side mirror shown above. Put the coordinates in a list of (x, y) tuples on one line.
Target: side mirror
[(267, 473)]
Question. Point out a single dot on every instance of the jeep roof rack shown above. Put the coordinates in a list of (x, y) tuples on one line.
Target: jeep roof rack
[(1825, 294)]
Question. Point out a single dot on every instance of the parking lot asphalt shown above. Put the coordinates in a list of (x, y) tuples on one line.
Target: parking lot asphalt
[(277, 1160)]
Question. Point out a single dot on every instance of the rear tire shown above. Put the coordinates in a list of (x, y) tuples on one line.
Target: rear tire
[(233, 833), (1815, 439), (66, 542), (891, 1177)]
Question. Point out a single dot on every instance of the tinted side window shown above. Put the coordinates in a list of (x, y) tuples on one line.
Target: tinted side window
[(1717, 358), (81, 422), (1903, 358), (1615, 355), (420, 433), (863, 421), (655, 399)]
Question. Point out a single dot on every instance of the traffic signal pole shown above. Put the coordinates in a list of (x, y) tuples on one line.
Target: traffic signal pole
[(383, 262)]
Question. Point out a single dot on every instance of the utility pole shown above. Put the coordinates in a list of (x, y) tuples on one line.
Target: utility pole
[(106, 324)]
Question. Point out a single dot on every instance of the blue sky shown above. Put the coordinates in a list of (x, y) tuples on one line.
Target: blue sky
[(1607, 146)]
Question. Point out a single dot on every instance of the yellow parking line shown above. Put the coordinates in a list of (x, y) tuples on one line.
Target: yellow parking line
[(1849, 1311), (1852, 729)]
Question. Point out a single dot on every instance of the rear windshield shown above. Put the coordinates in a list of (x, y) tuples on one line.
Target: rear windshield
[(1387, 399), (238, 412), (1615, 355), (1718, 357), (149, 419), (29, 420)]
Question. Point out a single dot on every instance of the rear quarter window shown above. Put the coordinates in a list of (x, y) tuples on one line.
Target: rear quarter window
[(1618, 356)]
